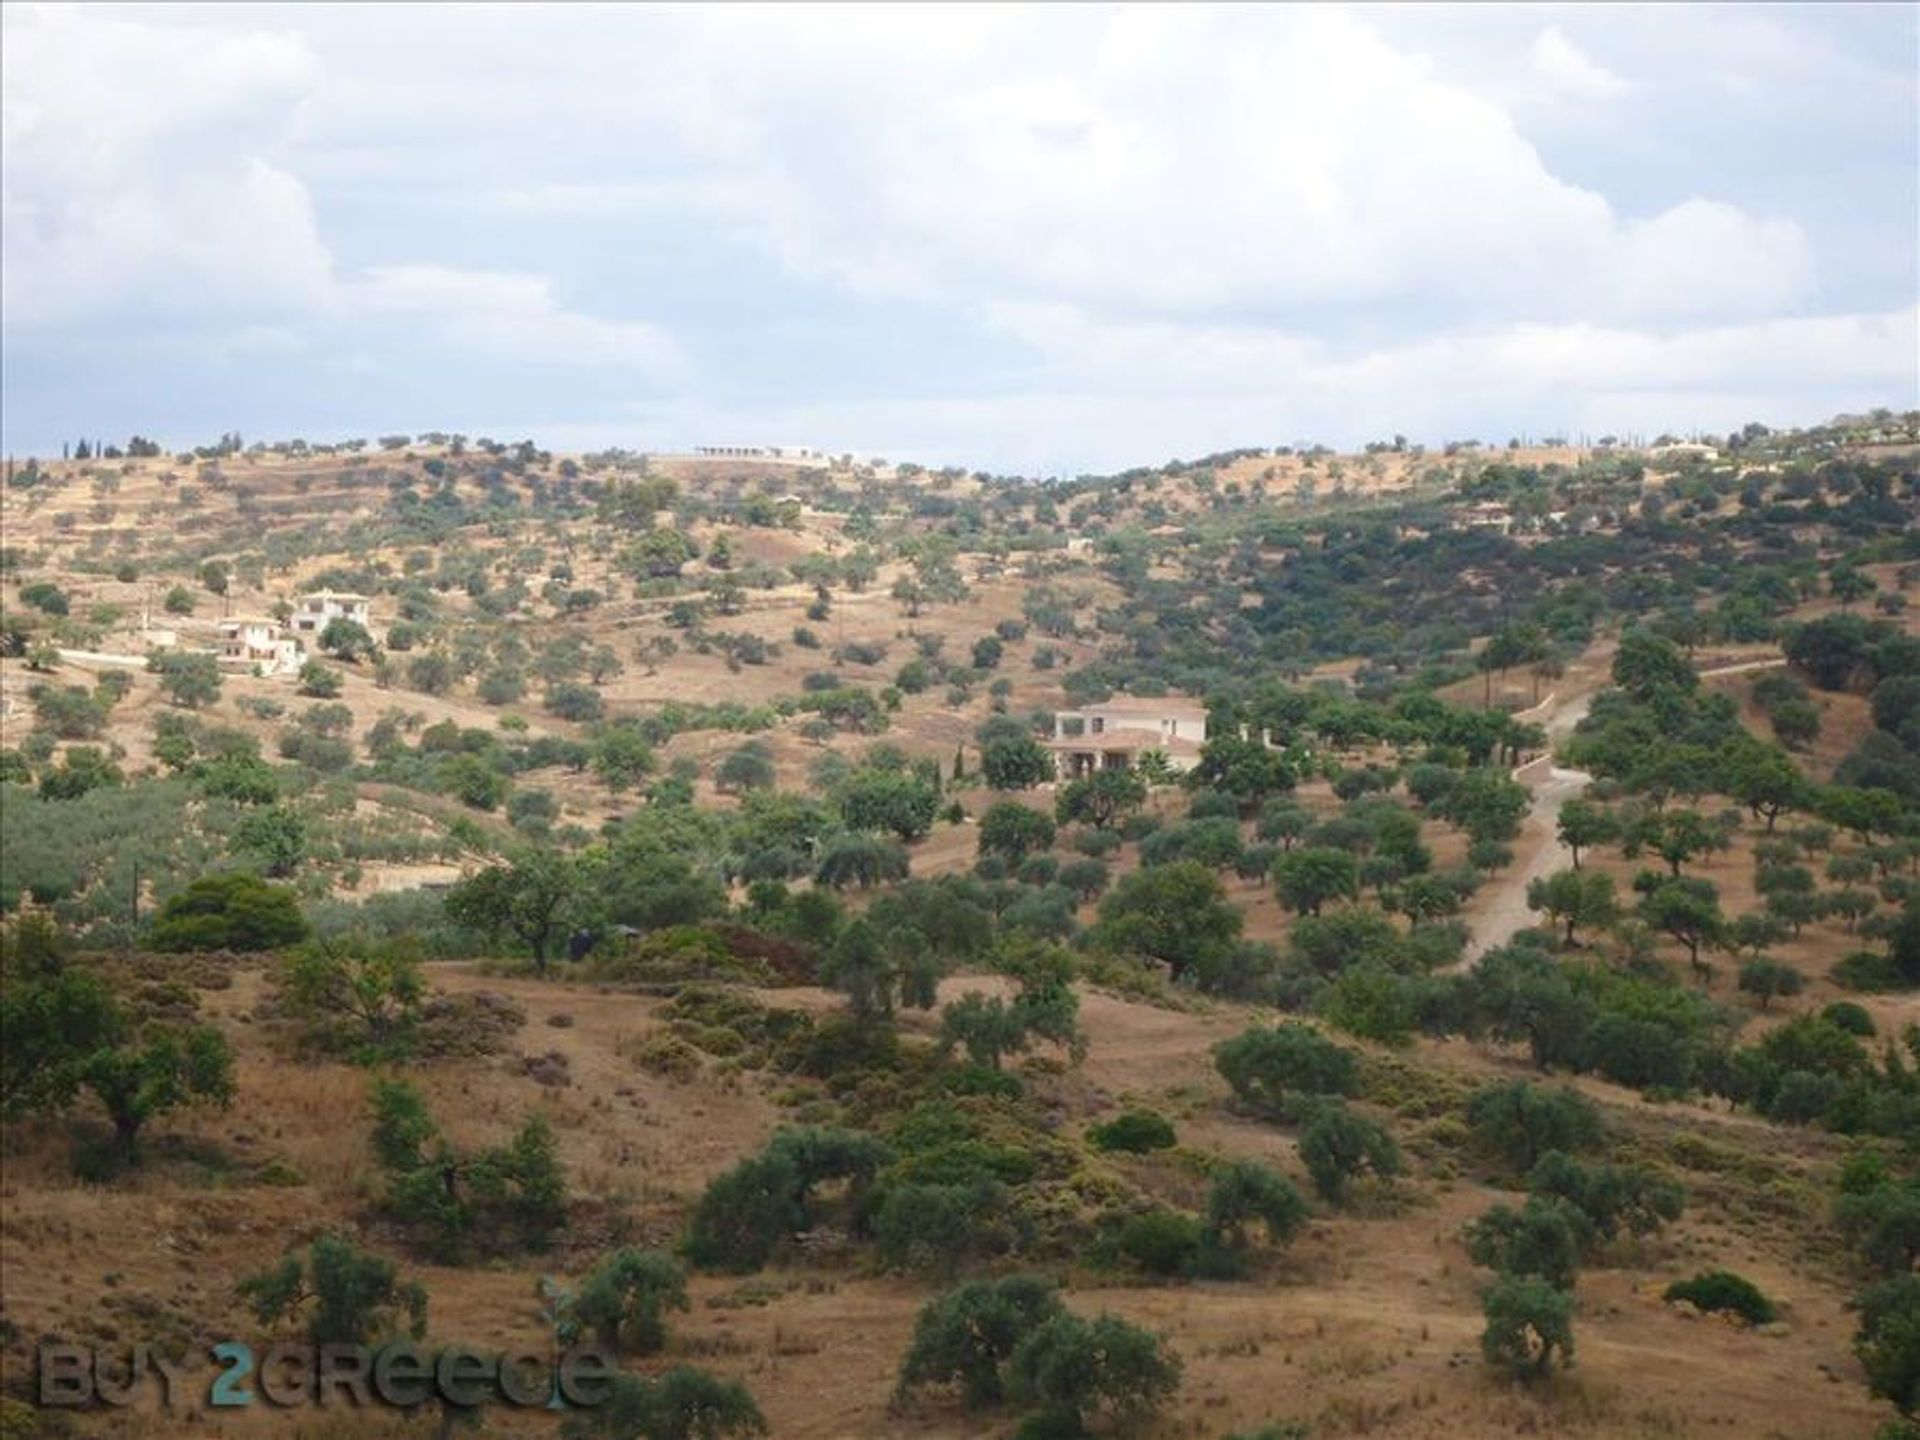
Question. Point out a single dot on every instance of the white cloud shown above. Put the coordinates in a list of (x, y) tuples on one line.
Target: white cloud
[(1565, 66), (1109, 395), (1191, 226), (510, 315), (1184, 161), (137, 179), (125, 180)]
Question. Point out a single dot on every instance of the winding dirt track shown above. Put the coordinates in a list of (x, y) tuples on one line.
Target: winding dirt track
[(1500, 909)]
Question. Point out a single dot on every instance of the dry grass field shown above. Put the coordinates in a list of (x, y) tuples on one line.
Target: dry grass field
[(1367, 1326)]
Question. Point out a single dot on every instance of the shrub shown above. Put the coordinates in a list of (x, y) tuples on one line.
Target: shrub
[(64, 1033), (1888, 1340), (1095, 844), (860, 860), (46, 597), (1337, 1146), (572, 700), (749, 1211), (82, 770), (1850, 1017), (353, 1296), (1522, 1122), (682, 1404), (356, 997), (1529, 1324), (1070, 1370), (1135, 1132), (495, 1199), (623, 1303), (1540, 1240), (1087, 879), (1266, 1066), (938, 1226), (745, 1213), (965, 1338), (1014, 831), (1015, 763), (1722, 1290), (1606, 1198), (187, 678), (1161, 1242), (236, 911), (1767, 979), (1246, 1193)]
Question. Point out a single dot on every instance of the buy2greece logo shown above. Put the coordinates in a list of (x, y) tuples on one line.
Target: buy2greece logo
[(399, 1374)]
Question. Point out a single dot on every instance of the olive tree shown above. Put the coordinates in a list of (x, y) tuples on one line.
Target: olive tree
[(1529, 1326)]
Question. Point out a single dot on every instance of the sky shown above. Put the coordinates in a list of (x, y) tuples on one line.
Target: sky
[(1022, 239)]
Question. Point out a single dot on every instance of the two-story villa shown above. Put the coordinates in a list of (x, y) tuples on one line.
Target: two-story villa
[(314, 612), (1114, 735), (253, 643)]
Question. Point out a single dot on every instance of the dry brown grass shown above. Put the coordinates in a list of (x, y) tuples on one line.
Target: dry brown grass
[(1368, 1326)]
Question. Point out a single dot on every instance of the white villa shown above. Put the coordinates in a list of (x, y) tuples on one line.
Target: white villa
[(1115, 735), (315, 611)]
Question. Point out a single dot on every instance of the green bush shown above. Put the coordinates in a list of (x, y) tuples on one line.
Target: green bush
[(1161, 1242), (682, 1404), (935, 1227), (1071, 1370), (745, 1214), (623, 1303), (1266, 1067), (1541, 1240), (1850, 1017), (748, 1212), (237, 911), (1888, 1343), (1529, 1324), (355, 997), (1246, 1193), (1337, 1146), (1136, 1132), (63, 1033), (1607, 1198), (1522, 1122), (965, 1338), (456, 1203), (1722, 1290), (354, 1296)]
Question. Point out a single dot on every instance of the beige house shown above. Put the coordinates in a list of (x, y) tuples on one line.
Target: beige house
[(251, 643), (1114, 736)]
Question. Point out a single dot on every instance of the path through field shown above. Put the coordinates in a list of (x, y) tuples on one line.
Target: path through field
[(1500, 908)]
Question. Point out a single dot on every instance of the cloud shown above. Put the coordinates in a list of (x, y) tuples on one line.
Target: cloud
[(1105, 395), (1568, 68), (125, 183), (1090, 235), (510, 315), (138, 182), (1187, 162)]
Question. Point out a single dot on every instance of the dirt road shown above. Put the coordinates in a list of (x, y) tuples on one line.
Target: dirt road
[(1500, 908)]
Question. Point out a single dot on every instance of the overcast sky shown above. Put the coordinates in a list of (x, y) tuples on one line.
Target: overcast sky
[(1048, 240)]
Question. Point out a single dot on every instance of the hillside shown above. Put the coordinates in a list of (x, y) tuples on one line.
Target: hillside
[(1589, 771)]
